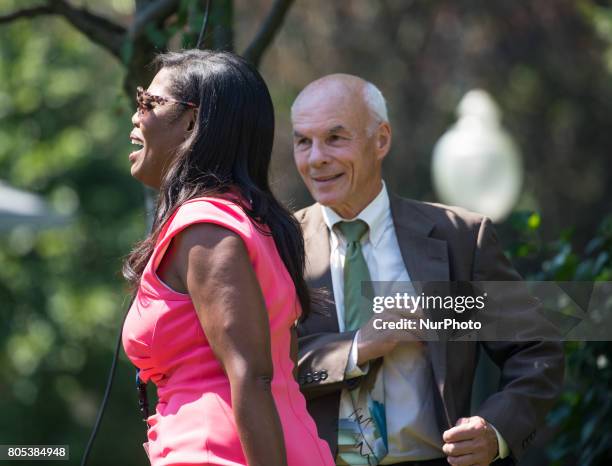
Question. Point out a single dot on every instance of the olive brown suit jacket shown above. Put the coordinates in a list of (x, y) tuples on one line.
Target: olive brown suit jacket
[(437, 243)]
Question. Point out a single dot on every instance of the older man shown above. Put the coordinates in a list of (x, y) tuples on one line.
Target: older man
[(376, 398)]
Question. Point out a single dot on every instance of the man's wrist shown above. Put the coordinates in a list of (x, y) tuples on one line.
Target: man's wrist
[(353, 369), (502, 446)]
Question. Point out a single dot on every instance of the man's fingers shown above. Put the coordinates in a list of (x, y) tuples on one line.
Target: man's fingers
[(465, 429), (459, 448), (459, 433), (469, 442)]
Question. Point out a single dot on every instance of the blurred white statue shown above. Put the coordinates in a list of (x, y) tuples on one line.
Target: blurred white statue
[(476, 164)]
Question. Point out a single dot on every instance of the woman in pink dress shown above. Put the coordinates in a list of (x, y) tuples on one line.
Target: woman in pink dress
[(219, 281)]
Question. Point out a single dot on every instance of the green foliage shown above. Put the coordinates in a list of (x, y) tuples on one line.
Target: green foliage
[(583, 416), (64, 134), (600, 17)]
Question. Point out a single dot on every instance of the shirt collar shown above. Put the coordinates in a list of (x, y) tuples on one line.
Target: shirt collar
[(374, 214)]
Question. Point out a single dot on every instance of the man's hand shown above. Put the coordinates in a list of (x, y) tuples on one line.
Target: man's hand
[(472, 442), (374, 343)]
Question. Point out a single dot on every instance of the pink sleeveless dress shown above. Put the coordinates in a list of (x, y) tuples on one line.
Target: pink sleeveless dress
[(193, 422)]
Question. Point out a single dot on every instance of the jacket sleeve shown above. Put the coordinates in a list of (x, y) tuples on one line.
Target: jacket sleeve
[(531, 371), (322, 361)]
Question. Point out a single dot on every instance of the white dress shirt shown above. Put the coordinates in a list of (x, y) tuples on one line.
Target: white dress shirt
[(412, 431)]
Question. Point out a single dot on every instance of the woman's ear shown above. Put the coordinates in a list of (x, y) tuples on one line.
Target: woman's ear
[(192, 120)]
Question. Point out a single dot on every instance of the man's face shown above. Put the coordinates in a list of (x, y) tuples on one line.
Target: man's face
[(333, 150)]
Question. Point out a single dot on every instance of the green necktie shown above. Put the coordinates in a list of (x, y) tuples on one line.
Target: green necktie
[(362, 437), (357, 309)]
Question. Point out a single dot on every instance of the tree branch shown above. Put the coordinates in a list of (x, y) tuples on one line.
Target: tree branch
[(26, 13), (268, 30), (98, 29), (152, 13)]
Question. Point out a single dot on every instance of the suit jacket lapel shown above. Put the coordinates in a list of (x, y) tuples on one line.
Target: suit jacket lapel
[(318, 273), (426, 259)]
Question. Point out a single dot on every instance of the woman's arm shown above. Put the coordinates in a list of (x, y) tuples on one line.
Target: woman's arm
[(214, 265)]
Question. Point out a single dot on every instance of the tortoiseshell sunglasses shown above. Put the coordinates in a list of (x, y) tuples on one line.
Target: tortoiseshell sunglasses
[(146, 101)]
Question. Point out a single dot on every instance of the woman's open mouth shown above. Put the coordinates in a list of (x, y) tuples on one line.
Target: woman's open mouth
[(136, 142)]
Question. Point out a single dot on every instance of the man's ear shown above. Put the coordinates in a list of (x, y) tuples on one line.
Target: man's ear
[(383, 140)]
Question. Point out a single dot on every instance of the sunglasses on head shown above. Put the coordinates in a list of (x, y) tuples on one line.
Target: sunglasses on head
[(147, 101)]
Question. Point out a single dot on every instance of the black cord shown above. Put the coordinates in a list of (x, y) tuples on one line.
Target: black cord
[(200, 41), (109, 385), (143, 398)]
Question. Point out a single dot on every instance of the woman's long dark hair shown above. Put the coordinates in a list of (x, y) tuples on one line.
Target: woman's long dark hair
[(229, 148)]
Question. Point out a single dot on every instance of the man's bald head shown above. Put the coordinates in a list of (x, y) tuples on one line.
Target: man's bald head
[(346, 91)]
